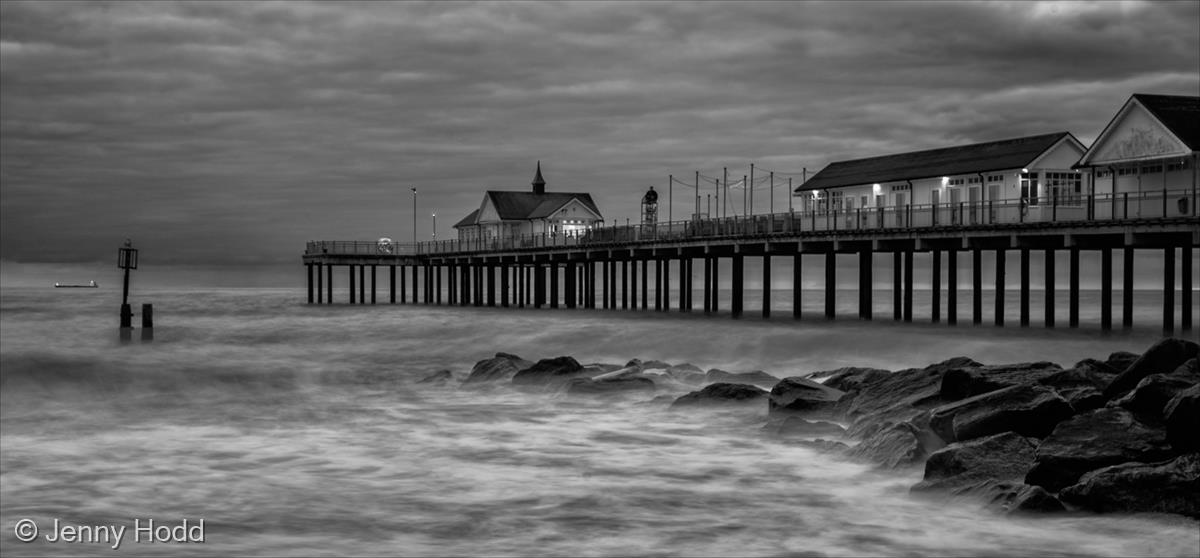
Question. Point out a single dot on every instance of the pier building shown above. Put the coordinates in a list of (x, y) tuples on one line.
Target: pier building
[(505, 216)]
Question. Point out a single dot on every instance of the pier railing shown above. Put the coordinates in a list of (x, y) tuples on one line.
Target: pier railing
[(915, 217)]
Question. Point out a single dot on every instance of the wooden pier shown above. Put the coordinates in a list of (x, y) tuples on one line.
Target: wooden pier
[(596, 266)]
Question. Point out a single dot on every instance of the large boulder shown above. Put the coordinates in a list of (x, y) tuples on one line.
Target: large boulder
[(1181, 415), (1152, 394), (899, 445), (549, 373), (1093, 440), (1002, 457), (1121, 360), (960, 383), (1027, 409), (1082, 386), (755, 378), (722, 394), (610, 386), (794, 426), (1169, 487), (686, 373), (1017, 498), (499, 368), (898, 398), (852, 379), (796, 394), (1162, 358)]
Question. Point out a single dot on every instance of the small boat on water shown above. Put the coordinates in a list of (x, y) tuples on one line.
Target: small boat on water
[(90, 285)]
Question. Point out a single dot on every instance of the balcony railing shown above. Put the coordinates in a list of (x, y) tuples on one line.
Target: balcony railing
[(1078, 208)]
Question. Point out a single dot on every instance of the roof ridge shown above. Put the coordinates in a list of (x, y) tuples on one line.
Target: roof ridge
[(969, 145)]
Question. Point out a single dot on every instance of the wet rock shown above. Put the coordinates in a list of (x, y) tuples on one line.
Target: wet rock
[(960, 383), (627, 372), (1152, 394), (499, 368), (722, 394), (1093, 440), (549, 373), (598, 369), (1164, 357), (901, 445), (824, 446), (1121, 360), (796, 394), (755, 378), (899, 397), (1182, 418), (439, 378), (793, 426), (1027, 409), (687, 373), (1103, 367), (853, 379), (1168, 487), (1002, 457), (654, 364), (1019, 498), (610, 386), (1082, 386)]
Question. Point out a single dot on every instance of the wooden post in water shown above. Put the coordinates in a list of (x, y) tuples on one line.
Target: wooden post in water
[(504, 290), (329, 283), (897, 286), (682, 285), (977, 286), (645, 284), (736, 302), (908, 285), (373, 289), (1024, 253), (689, 289), (1127, 289), (147, 322), (490, 271), (1169, 290), (936, 275), (351, 268), (707, 285), (362, 284), (666, 284), (952, 286), (797, 285), (864, 284), (1105, 289), (308, 267), (716, 284), (625, 284), (320, 284), (1049, 288), (1073, 304), (392, 284), (633, 283), (553, 284), (766, 286), (999, 308), (1186, 296), (830, 284)]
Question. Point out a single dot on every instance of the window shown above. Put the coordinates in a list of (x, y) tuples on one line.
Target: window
[(974, 180), (1177, 165), (1104, 173), (995, 178), (901, 187), (1126, 171), (1151, 169), (1029, 188), (837, 199), (1064, 188), (956, 182)]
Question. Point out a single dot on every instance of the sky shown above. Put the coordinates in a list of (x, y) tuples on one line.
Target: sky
[(231, 133)]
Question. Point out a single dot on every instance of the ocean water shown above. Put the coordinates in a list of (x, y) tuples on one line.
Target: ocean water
[(293, 429)]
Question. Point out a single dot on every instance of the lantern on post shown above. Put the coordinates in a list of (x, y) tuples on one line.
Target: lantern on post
[(127, 259)]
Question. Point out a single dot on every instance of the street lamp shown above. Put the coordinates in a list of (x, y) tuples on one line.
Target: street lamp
[(414, 191), (434, 225)]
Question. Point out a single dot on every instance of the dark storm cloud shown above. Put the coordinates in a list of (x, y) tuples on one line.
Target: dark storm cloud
[(227, 132)]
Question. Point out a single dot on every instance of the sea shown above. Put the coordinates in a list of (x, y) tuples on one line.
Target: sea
[(292, 429)]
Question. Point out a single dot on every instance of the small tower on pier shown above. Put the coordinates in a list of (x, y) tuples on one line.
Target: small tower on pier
[(650, 207)]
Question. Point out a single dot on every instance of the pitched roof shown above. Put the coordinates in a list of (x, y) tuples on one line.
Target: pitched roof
[(1179, 114), (468, 220), (528, 205), (964, 159)]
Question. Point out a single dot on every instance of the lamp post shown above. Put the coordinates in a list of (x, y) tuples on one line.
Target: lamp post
[(414, 191)]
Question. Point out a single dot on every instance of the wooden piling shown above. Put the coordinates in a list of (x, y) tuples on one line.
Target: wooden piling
[(391, 284), (977, 286), (952, 286), (897, 286), (1127, 289), (645, 284), (553, 284), (1169, 290), (682, 285), (351, 268), (936, 276), (320, 284), (707, 285), (865, 293), (1049, 262), (716, 284), (797, 285), (908, 285), (998, 310), (1185, 296), (1024, 311), (309, 269), (736, 302), (1073, 303), (830, 285)]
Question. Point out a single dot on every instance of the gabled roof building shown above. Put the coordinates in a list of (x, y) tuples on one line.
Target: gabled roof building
[(1033, 171), (515, 214)]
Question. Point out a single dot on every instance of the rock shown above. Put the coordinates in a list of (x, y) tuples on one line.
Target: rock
[(1093, 440), (722, 394), (960, 383), (824, 446), (1015, 498), (1082, 386), (609, 386), (598, 369), (899, 397), (549, 373), (1027, 409), (637, 362), (687, 373), (627, 372), (1164, 357), (1189, 370), (1182, 418), (501, 367), (1167, 487), (894, 446), (1102, 367), (853, 379), (654, 364), (796, 394), (441, 378), (1121, 360), (755, 378), (1152, 394), (1001, 457), (793, 426)]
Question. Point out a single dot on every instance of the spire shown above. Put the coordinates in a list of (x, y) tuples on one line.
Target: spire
[(539, 184)]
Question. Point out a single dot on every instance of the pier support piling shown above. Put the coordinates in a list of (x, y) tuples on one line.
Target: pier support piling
[(977, 286), (351, 268), (1024, 311), (908, 285), (797, 285), (553, 285), (864, 284), (952, 287), (897, 286), (999, 307), (936, 276), (309, 269), (1073, 288), (1169, 290), (1049, 261), (735, 304), (1185, 277), (1127, 289), (716, 284), (830, 285), (1106, 289), (707, 285), (645, 284), (766, 286)]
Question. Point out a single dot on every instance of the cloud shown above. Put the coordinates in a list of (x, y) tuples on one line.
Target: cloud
[(236, 131)]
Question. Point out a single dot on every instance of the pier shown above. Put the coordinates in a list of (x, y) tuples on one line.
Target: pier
[(610, 267)]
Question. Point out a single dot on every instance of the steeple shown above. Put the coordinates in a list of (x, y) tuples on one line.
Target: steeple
[(539, 184)]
